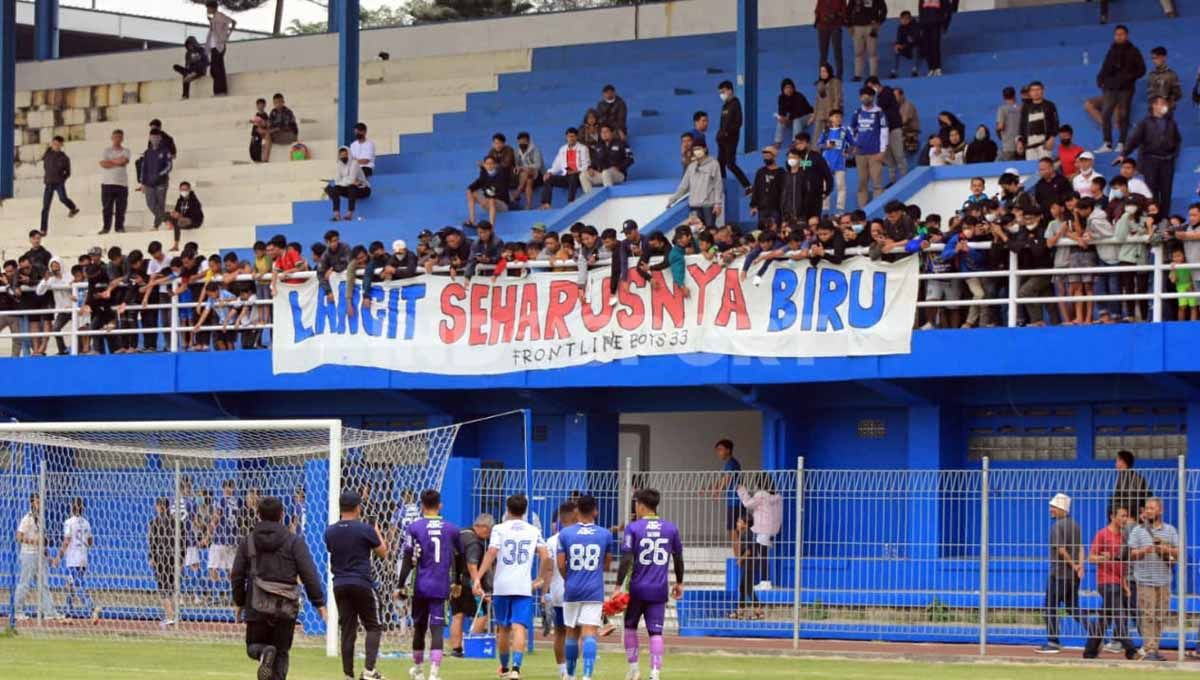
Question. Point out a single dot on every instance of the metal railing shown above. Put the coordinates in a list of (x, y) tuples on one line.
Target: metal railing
[(956, 556), (1006, 294)]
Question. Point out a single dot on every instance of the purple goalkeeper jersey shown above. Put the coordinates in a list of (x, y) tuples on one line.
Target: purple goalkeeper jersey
[(433, 542), (652, 541)]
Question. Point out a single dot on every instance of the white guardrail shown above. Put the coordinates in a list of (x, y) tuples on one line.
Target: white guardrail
[(173, 329)]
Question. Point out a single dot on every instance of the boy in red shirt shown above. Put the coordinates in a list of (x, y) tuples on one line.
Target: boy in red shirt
[(1108, 554)]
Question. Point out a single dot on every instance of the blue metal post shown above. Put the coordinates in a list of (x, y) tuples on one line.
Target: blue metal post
[(8, 94), (335, 22), (45, 29), (347, 69), (747, 70)]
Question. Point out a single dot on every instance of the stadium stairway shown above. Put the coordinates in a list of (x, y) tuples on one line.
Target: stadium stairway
[(212, 135), (665, 80)]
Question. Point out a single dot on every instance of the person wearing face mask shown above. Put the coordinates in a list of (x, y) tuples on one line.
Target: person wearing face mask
[(188, 213), (729, 133), (612, 111), (220, 27), (982, 149), (1100, 228), (529, 168), (703, 186), (1158, 139), (1085, 165), (870, 128), (349, 182), (1132, 222), (1068, 150), (768, 189), (807, 184), (1028, 240), (489, 190), (362, 150)]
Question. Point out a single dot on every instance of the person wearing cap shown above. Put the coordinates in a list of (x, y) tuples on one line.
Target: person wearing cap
[(402, 264), (703, 186), (1085, 172), (272, 553), (351, 542), (767, 190), (1153, 549), (1066, 570), (632, 246)]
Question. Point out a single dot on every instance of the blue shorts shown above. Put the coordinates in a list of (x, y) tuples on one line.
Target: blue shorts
[(512, 609), (187, 310), (558, 618)]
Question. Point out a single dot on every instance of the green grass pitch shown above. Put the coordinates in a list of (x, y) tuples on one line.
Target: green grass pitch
[(23, 658)]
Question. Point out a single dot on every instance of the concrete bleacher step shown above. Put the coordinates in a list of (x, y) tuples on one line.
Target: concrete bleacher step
[(89, 219), (211, 238), (436, 95)]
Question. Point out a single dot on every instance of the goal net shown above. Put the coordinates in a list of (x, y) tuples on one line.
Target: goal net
[(132, 527)]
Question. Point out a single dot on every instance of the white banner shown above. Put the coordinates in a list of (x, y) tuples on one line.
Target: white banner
[(433, 324)]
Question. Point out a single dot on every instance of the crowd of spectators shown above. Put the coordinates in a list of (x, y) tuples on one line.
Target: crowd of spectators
[(797, 200)]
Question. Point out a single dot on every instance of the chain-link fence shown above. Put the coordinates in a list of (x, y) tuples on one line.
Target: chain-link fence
[(1007, 556)]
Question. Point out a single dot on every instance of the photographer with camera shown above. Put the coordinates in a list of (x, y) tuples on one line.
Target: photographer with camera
[(1153, 548)]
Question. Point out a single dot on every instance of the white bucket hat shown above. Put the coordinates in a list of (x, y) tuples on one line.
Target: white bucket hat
[(1061, 501)]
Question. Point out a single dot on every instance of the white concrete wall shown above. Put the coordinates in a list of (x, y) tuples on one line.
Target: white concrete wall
[(684, 440), (946, 196), (680, 17), (613, 212)]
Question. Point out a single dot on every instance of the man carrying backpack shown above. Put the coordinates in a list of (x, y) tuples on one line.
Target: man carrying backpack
[(263, 578)]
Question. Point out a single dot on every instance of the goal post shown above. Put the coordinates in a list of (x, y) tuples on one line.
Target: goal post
[(164, 503)]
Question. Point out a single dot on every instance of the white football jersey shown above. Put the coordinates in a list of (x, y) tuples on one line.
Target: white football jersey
[(79, 531), (558, 587), (516, 542)]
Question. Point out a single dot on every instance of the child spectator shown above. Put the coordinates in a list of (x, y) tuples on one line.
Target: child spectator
[(281, 127), (940, 290), (977, 197), (1181, 278), (908, 39), (834, 145)]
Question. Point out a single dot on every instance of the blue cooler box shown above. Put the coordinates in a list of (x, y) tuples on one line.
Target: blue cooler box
[(480, 646)]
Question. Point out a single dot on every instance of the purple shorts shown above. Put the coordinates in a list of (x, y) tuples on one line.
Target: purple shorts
[(424, 608), (655, 613)]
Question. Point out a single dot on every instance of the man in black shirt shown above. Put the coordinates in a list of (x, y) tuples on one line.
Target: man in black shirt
[(474, 544), (272, 554), (729, 133), (768, 189), (611, 160), (1051, 187), (8, 303)]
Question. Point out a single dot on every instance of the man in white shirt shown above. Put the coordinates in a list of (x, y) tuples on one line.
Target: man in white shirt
[(77, 541), (114, 182), (29, 536), (362, 150), (1137, 185), (220, 27), (569, 170), (1082, 181), (513, 545)]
